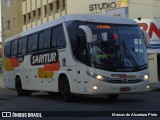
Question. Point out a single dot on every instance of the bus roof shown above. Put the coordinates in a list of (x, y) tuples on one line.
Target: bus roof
[(80, 17), (99, 18)]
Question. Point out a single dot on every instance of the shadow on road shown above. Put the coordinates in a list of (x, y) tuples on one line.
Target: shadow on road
[(88, 99)]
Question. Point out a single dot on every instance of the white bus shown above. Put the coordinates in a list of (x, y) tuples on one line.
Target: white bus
[(78, 54)]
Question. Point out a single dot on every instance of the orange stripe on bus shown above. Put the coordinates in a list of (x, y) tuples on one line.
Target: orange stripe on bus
[(7, 64), (14, 62), (52, 67)]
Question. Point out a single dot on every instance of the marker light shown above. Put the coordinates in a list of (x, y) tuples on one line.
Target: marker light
[(145, 77), (148, 86)]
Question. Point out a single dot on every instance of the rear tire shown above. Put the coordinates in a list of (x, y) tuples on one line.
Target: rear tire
[(64, 89), (20, 91)]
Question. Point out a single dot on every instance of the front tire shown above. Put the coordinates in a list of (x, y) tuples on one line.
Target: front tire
[(64, 89)]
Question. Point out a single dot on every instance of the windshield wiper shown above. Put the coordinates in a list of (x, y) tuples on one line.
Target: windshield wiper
[(126, 53)]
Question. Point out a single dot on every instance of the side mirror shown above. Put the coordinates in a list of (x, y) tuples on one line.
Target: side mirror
[(146, 37), (88, 32)]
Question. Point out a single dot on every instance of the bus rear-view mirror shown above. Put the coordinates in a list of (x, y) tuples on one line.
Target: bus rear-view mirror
[(146, 38), (88, 33)]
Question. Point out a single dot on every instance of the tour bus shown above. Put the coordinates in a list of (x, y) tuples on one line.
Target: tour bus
[(78, 54)]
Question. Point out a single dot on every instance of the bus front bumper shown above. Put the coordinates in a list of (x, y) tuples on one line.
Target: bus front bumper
[(100, 87)]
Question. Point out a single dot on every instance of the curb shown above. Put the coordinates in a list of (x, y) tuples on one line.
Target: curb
[(154, 86), (156, 89)]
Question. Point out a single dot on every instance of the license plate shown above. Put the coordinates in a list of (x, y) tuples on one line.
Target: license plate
[(125, 89)]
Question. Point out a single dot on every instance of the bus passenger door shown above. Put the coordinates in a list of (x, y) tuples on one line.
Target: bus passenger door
[(82, 78), (82, 56)]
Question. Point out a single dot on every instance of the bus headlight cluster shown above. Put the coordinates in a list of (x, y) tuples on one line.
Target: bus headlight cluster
[(97, 76), (145, 77)]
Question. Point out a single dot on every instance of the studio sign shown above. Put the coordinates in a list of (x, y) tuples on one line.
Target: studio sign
[(102, 6), (44, 58)]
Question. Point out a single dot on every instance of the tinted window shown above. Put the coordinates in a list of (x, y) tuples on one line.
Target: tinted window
[(41, 38), (24, 44), (58, 38), (32, 43), (7, 50), (54, 38), (14, 48), (29, 44), (20, 46), (46, 40), (73, 27)]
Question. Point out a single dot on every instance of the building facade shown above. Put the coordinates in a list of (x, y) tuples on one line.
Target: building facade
[(22, 15), (11, 17), (36, 12)]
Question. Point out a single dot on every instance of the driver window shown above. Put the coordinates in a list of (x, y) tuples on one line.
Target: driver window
[(81, 47)]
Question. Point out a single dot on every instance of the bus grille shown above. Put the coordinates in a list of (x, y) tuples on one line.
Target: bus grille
[(124, 81)]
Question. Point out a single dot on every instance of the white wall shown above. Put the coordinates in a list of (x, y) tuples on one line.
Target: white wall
[(153, 68), (144, 9), (82, 6)]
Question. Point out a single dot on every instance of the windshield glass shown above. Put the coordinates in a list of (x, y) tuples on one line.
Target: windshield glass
[(117, 47)]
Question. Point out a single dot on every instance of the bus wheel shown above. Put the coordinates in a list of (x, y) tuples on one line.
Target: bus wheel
[(64, 89), (20, 91), (113, 96)]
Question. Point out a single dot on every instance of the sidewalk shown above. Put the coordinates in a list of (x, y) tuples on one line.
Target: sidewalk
[(155, 86), (1, 82)]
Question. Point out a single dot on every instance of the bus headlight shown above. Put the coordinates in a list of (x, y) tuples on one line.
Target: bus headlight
[(97, 76), (145, 77)]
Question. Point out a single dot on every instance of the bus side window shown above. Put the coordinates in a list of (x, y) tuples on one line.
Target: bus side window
[(14, 48), (54, 38), (29, 44), (40, 40), (47, 39), (24, 45), (82, 47), (44, 40), (34, 42), (58, 38), (20, 42), (7, 49), (61, 42)]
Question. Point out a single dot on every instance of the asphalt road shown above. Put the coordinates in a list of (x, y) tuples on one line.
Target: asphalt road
[(92, 107)]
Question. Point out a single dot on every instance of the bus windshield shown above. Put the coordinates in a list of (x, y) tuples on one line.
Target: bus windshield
[(117, 47)]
